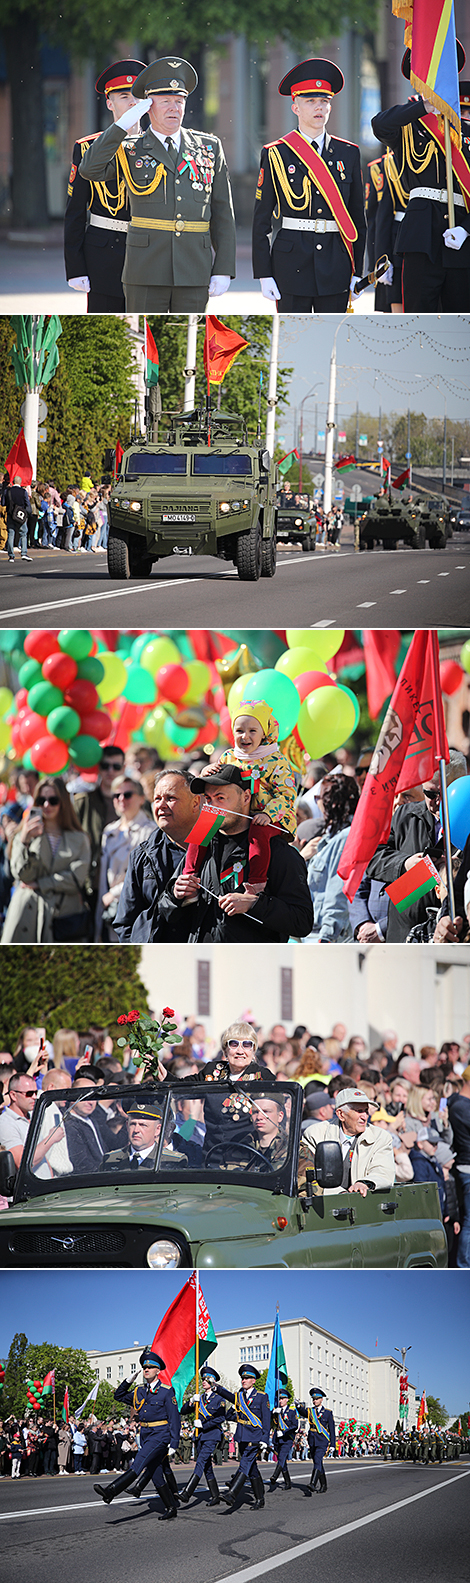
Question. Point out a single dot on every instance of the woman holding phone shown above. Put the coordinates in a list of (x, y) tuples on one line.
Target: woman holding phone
[(50, 859)]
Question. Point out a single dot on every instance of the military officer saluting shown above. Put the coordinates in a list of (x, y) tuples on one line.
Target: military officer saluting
[(286, 1424), (179, 193), (97, 213), (321, 1435), (436, 259), (252, 1433), (310, 196), (158, 1418), (210, 1417)]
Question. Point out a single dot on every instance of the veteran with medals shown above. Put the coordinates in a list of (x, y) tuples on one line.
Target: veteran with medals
[(97, 213), (179, 194), (309, 226)]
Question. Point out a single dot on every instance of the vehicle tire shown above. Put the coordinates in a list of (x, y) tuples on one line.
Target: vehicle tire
[(118, 555), (268, 556), (249, 554), (306, 542), (419, 540), (439, 541)]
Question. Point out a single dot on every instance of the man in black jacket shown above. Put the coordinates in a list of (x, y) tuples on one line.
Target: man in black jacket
[(213, 903), (153, 864), (18, 506), (459, 1117), (415, 832)]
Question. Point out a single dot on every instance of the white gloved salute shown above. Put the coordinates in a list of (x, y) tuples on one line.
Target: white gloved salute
[(269, 288), (132, 116), (456, 237), (79, 283), (218, 284)]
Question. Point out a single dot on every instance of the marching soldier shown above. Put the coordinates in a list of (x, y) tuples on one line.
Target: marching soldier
[(388, 226), (97, 213), (210, 1417), (321, 1435), (179, 194), (252, 1434), (285, 1430), (159, 1422), (436, 259), (310, 196)]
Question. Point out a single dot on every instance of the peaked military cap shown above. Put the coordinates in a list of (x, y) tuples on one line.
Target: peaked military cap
[(169, 75), (312, 77), (406, 61), (209, 1374), (122, 74), (317, 1391), (153, 1359), (247, 1369), (150, 1111)]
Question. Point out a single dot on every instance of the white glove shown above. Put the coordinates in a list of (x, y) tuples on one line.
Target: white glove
[(172, 1451), (218, 284), (387, 278), (354, 282), (456, 237), (197, 1423), (263, 1445), (132, 116), (269, 288), (79, 283)]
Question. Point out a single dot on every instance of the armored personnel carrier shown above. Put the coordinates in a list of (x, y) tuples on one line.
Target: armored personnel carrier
[(388, 521)]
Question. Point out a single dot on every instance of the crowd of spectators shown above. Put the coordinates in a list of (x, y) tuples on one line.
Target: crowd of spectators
[(76, 520)]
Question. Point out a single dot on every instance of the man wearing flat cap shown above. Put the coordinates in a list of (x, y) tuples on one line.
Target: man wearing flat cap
[(436, 256), (179, 194), (368, 1159), (157, 1416), (144, 1125), (309, 226), (97, 212)]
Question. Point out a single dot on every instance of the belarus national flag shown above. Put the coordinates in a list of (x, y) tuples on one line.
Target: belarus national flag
[(66, 1406), (206, 826), (346, 464), (286, 461), (175, 1339), (49, 1383), (406, 890), (404, 478), (152, 365), (277, 1373)]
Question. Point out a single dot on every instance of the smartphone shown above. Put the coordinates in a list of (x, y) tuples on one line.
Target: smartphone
[(87, 1054), (443, 1104)]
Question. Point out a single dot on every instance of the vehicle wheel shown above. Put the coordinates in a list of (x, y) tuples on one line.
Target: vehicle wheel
[(419, 540), (268, 556), (439, 541), (118, 555), (306, 542), (249, 554)]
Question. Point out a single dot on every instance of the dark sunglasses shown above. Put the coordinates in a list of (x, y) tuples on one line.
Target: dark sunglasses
[(363, 770), (28, 1092), (240, 1044), (109, 764), (49, 802), (124, 795), (431, 792)]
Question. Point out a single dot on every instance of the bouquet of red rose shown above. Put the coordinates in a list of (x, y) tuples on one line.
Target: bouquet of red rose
[(148, 1037)]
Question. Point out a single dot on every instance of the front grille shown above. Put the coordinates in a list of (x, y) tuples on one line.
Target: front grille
[(48, 1244), (159, 504)]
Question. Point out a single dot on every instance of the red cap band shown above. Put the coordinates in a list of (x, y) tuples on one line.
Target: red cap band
[(308, 87), (121, 82)]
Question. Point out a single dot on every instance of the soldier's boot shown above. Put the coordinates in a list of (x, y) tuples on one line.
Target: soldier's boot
[(171, 1509), (314, 1477), (140, 1483), (189, 1488), (287, 1478), (108, 1491), (323, 1483), (172, 1484), (273, 1477), (258, 1490), (212, 1485), (235, 1489)]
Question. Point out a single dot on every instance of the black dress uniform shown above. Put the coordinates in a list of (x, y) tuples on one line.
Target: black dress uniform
[(390, 214), (286, 1424), (211, 1414), (253, 1429), (321, 1434), (375, 197), (159, 1421), (97, 213), (296, 238), (434, 276)]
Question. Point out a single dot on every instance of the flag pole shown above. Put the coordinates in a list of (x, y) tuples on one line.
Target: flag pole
[(196, 1428), (442, 771), (449, 175), (53, 1399)]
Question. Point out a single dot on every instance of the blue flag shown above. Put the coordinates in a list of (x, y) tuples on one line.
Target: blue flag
[(277, 1372)]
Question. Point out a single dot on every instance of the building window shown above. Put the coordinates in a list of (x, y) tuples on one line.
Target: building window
[(121, 1371), (249, 1356), (97, 1374), (257, 1354), (265, 1350), (203, 989), (242, 1354), (286, 994), (319, 1354), (108, 1374)]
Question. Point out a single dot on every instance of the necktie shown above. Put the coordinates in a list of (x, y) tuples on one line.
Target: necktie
[(170, 145), (135, 1162)]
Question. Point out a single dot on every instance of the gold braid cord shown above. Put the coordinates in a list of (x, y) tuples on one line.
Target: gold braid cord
[(112, 202), (129, 180), (375, 177), (279, 175), (396, 187), (413, 159)]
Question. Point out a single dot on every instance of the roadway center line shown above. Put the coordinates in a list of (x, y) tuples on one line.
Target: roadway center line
[(286, 1557)]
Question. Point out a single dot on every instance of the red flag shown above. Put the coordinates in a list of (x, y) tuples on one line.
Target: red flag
[(411, 742), (175, 1338), (119, 456), (404, 478), (18, 461), (221, 347), (380, 652), (66, 1406)]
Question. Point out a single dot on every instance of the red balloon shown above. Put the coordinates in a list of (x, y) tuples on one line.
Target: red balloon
[(173, 682), (82, 696), (33, 727), (96, 725), (451, 675), (208, 733), (308, 680), (16, 738), (40, 643), (226, 725), (21, 698), (49, 755), (60, 670)]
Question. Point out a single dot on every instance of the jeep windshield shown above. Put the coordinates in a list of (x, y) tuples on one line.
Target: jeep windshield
[(222, 465), (101, 1137), (142, 463)]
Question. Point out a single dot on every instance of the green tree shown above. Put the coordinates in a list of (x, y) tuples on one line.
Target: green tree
[(10, 420), (15, 1375), (105, 1406), (437, 1412), (240, 389), (71, 1368), (68, 987)]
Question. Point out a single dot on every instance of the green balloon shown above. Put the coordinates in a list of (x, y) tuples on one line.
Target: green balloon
[(17, 659), (124, 644), (27, 761), (85, 751), (12, 638), (30, 673), (140, 687), (44, 697), (91, 669), (181, 736), (140, 644), (350, 694), (75, 641), (63, 723)]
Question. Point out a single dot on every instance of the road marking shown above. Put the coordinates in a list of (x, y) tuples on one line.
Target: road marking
[(322, 624), (443, 574), (45, 1511), (459, 568), (286, 1557), (367, 604), (423, 580), (398, 590)]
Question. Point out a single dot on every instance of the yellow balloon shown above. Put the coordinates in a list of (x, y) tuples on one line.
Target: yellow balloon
[(160, 651), (326, 719), (153, 726), (199, 681), (5, 736), (114, 679), (295, 661), (323, 640), (239, 689), (6, 700)]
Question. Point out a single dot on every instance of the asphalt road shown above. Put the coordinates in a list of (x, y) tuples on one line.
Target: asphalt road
[(377, 1521), (402, 588)]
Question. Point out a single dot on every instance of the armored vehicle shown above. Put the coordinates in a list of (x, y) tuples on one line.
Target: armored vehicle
[(386, 522), (435, 518), (202, 490), (245, 1201), (296, 524)]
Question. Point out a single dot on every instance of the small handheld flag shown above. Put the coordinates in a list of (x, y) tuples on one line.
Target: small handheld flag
[(417, 881), (206, 826)]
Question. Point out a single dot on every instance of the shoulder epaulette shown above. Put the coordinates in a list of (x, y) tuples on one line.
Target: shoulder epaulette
[(88, 137)]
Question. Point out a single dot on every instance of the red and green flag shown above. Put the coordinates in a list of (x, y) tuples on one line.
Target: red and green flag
[(345, 464), (417, 881), (206, 826), (66, 1406), (48, 1387), (402, 480), (286, 461), (152, 363), (175, 1339)]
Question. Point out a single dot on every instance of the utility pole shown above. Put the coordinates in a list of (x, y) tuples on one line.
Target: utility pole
[(444, 451), (190, 370)]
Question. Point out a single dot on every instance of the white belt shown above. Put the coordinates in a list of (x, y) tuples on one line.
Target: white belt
[(108, 225), (439, 195), (308, 225)]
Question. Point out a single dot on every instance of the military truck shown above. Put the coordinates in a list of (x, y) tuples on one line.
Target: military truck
[(435, 519), (238, 1204), (386, 522), (201, 490), (296, 524)]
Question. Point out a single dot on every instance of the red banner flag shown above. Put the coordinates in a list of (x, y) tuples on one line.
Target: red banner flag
[(175, 1339), (119, 456), (221, 347), (411, 742), (17, 461), (404, 478), (380, 652)]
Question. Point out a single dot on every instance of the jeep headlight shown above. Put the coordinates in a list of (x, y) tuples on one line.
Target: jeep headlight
[(224, 507), (163, 1255), (298, 522), (125, 504), (135, 505), (236, 505)]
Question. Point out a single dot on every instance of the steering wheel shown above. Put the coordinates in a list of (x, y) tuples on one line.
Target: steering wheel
[(222, 1149)]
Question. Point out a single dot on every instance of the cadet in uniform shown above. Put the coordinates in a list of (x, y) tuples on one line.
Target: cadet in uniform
[(210, 1419), (436, 260), (285, 1430), (252, 1433), (310, 196), (390, 214), (180, 198), (159, 1422), (321, 1434), (97, 213)]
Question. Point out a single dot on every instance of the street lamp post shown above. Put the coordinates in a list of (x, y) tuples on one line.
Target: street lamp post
[(311, 392)]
